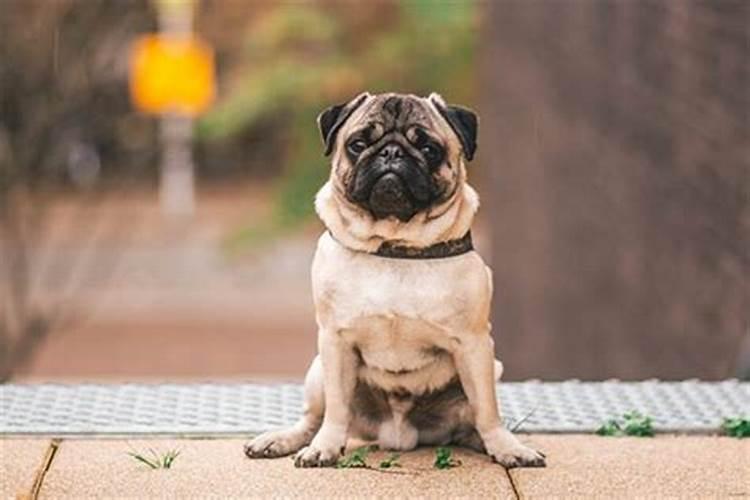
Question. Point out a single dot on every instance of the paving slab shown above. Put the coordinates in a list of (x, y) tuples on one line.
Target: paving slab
[(620, 467), (219, 469), (20, 462)]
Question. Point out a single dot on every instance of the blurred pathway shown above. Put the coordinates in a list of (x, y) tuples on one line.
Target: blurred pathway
[(148, 298)]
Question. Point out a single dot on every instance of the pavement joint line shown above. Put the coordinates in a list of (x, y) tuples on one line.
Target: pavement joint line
[(49, 456), (513, 484)]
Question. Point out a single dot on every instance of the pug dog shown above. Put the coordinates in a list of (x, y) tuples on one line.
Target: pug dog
[(402, 300)]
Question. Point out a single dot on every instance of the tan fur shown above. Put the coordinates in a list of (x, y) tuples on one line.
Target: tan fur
[(397, 324), (356, 228)]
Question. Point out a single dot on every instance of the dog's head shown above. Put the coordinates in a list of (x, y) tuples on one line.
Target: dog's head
[(396, 155)]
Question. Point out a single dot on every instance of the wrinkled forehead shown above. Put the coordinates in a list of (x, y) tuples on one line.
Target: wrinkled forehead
[(396, 113)]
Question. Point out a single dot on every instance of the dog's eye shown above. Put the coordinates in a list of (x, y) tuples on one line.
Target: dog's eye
[(356, 147), (430, 152)]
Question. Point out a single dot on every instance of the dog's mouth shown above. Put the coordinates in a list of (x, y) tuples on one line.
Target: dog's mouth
[(390, 196), (396, 189)]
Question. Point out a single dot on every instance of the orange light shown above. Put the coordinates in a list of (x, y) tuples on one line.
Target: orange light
[(171, 74)]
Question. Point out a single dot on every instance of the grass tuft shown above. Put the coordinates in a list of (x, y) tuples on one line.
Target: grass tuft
[(357, 459), (444, 458), (736, 427), (631, 424), (517, 425), (156, 460), (390, 461)]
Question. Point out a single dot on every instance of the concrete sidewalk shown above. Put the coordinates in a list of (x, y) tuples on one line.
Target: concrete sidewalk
[(579, 466)]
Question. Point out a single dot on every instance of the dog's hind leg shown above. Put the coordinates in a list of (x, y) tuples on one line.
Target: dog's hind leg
[(468, 437), (287, 441)]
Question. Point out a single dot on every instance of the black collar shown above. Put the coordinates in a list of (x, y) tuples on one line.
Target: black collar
[(449, 248), (441, 250)]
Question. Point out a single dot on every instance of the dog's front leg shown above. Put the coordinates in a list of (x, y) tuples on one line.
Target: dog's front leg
[(474, 359), (339, 379)]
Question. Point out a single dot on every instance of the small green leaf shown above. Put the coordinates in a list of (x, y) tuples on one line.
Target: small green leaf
[(390, 461), (357, 459), (736, 427), (609, 428), (169, 458), (444, 458), (159, 461), (636, 424), (144, 460), (631, 424)]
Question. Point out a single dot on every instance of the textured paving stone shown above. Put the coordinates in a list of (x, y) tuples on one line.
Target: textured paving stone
[(218, 469), (661, 467), (579, 466), (20, 461)]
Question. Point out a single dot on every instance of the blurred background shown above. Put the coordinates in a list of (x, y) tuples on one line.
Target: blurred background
[(156, 199)]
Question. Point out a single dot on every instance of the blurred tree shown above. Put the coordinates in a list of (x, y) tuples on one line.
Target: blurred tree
[(64, 116), (619, 137), (299, 59)]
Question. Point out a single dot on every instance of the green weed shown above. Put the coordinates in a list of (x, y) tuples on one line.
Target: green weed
[(156, 460), (357, 459), (736, 427), (390, 461), (631, 424), (444, 458)]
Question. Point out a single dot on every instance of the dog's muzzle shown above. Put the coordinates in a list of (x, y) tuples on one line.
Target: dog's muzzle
[(392, 184), (389, 196)]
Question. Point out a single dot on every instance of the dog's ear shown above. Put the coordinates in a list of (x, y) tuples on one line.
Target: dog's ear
[(332, 119), (463, 121)]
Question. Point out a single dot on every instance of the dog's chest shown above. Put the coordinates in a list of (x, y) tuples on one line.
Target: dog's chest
[(391, 300), (394, 343), (400, 353), (402, 316)]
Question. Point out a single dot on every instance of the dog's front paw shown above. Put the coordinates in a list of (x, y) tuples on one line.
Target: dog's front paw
[(518, 456), (315, 456), (507, 450), (274, 444)]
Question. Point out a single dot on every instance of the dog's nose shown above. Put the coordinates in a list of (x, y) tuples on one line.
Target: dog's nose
[(391, 152)]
